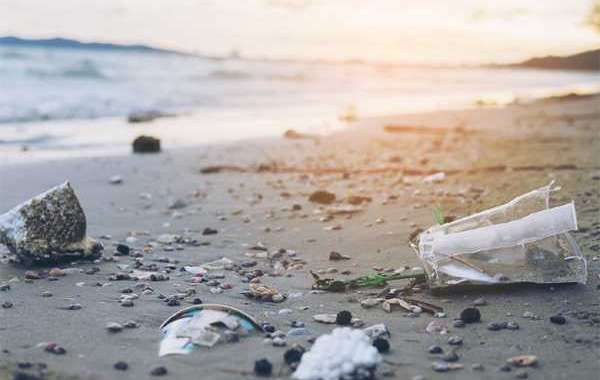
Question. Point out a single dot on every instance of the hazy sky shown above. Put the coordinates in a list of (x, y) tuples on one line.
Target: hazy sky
[(452, 31)]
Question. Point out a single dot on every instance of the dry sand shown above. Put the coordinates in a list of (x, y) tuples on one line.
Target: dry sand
[(497, 154)]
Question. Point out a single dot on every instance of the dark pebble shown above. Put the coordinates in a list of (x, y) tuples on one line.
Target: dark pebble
[(197, 301), (558, 319), (343, 318), (158, 371), (209, 231), (7, 305), (458, 323), (121, 366), (435, 349), (123, 249), (269, 328), (263, 367), (450, 357), (504, 368), (496, 326), (470, 315), (293, 356), (382, 345)]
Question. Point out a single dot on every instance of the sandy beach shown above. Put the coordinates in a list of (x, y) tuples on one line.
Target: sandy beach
[(488, 155)]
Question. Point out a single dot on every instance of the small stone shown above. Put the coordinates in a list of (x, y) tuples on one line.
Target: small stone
[(558, 319), (114, 327), (322, 197), (512, 326), (121, 366), (197, 301), (496, 326), (74, 306), (209, 231), (55, 349), (56, 272), (279, 342), (336, 256), (115, 180), (277, 298), (382, 345), (7, 305), (450, 357), (263, 368), (480, 302), (455, 340), (343, 318), (523, 360), (440, 367), (123, 249), (46, 294), (293, 356), (504, 368), (159, 371), (146, 144), (127, 303), (31, 275), (435, 349), (131, 325), (458, 323), (470, 315)]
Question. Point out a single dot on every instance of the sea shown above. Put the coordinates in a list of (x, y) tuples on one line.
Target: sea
[(60, 102)]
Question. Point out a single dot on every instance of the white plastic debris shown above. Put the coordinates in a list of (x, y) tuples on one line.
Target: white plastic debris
[(524, 240), (203, 326), (344, 352)]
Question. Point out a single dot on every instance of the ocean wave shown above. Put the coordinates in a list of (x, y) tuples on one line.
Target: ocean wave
[(85, 69), (230, 74)]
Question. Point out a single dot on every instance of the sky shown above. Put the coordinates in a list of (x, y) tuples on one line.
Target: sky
[(409, 31)]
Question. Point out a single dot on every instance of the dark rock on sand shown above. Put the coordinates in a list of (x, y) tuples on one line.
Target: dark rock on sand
[(470, 315), (558, 319), (146, 144), (263, 367), (48, 228), (382, 345), (322, 197), (343, 318)]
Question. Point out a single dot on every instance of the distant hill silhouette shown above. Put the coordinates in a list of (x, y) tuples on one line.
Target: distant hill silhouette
[(65, 43), (588, 60)]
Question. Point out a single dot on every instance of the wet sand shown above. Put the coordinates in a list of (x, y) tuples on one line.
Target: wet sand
[(489, 156)]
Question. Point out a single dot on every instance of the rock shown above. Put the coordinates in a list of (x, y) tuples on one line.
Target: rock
[(496, 326), (121, 366), (356, 200), (458, 323), (450, 357), (470, 315), (523, 360), (209, 231), (382, 345), (146, 144), (558, 319), (377, 331), (293, 356), (437, 326), (7, 305), (159, 371), (343, 318), (114, 327), (146, 116), (115, 180), (263, 368), (455, 340), (56, 272), (336, 256), (177, 204), (55, 349), (123, 249), (322, 197), (48, 228), (521, 374)]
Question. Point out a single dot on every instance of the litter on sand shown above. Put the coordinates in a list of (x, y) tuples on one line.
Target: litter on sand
[(345, 353), (522, 241), (204, 326), (48, 228)]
